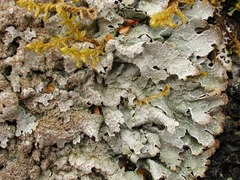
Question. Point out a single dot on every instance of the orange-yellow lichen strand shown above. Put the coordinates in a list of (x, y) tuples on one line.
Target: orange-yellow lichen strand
[(213, 2), (164, 92), (164, 18), (60, 7), (202, 74), (237, 6)]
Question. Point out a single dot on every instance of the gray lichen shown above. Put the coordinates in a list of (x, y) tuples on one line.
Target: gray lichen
[(58, 121)]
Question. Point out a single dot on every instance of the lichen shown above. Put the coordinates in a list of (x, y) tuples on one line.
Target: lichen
[(146, 103), (69, 14), (163, 18)]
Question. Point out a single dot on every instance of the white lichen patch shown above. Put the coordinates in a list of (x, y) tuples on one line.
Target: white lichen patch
[(152, 103)]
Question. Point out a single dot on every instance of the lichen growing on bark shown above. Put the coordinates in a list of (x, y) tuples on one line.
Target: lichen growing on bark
[(149, 109)]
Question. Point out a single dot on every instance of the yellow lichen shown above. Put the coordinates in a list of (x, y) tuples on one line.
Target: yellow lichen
[(235, 8), (39, 47), (164, 92), (213, 2), (84, 55), (73, 35), (60, 7), (202, 74), (164, 18)]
